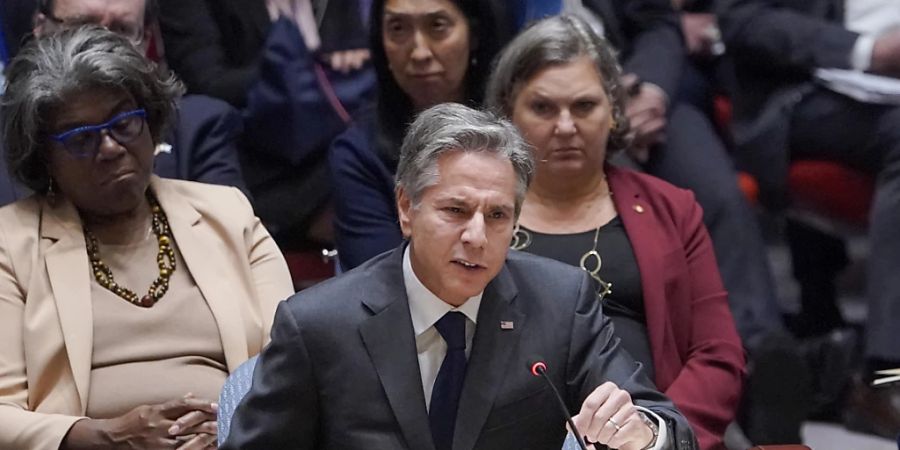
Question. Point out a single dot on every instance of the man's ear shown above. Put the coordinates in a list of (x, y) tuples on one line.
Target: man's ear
[(404, 209)]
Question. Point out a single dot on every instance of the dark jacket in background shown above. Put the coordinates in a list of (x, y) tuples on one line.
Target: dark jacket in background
[(215, 45), (776, 45), (647, 33)]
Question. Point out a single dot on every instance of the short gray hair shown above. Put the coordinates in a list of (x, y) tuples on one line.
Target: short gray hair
[(54, 66), (453, 127), (556, 41)]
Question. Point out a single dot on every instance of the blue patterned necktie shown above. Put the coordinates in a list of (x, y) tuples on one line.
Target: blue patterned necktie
[(449, 382)]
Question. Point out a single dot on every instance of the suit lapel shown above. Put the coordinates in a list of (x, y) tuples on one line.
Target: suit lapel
[(389, 338), (489, 359), (638, 218), (70, 280), (204, 258)]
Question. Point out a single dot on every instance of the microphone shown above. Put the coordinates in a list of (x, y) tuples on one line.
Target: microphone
[(538, 368)]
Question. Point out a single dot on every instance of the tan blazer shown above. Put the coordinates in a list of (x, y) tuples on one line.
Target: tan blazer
[(45, 305)]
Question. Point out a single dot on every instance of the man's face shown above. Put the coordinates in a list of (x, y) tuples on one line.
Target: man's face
[(123, 17), (461, 228)]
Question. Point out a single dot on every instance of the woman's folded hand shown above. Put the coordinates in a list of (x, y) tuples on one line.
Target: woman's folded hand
[(187, 423)]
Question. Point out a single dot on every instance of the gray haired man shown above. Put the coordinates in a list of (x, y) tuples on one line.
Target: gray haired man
[(428, 346)]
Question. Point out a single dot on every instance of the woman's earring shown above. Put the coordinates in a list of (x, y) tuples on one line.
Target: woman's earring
[(474, 61), (51, 194), (613, 125)]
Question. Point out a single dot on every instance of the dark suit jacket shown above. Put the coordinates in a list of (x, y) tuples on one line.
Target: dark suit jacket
[(697, 354), (341, 371), (215, 45), (648, 35), (16, 16), (203, 143), (365, 213), (776, 44)]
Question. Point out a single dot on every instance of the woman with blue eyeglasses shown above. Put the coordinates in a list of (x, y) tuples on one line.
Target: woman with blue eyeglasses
[(125, 299)]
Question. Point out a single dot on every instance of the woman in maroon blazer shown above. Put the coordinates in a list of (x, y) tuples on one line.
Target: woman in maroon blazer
[(642, 239)]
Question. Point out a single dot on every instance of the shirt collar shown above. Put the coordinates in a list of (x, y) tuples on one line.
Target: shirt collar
[(425, 307)]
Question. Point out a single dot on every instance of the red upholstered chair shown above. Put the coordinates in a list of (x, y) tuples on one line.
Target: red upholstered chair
[(309, 267), (828, 194), (831, 190)]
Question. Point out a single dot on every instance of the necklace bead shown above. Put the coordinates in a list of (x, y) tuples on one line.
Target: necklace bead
[(165, 258)]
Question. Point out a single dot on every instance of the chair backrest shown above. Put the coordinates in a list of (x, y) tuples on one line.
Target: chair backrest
[(236, 386)]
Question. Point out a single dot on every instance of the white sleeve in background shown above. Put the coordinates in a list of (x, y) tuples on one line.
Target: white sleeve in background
[(861, 56)]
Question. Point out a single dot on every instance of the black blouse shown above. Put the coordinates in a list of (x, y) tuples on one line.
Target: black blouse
[(625, 303)]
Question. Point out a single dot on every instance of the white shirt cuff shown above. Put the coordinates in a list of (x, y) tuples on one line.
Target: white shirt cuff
[(861, 56), (663, 438)]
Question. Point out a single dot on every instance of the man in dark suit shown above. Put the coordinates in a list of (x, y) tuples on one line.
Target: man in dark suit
[(782, 111), (429, 346)]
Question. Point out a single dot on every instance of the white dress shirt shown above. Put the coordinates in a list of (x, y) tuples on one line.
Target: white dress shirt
[(869, 18), (426, 309)]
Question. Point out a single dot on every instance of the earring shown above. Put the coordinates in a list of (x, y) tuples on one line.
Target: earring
[(51, 194), (474, 61), (613, 125)]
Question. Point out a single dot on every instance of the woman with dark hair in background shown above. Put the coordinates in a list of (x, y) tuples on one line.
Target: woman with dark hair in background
[(425, 52)]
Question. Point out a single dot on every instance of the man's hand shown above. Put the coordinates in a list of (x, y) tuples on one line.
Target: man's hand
[(608, 417), (646, 111), (886, 54), (701, 34), (347, 61)]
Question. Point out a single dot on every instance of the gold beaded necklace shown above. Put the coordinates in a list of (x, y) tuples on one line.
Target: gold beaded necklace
[(165, 258)]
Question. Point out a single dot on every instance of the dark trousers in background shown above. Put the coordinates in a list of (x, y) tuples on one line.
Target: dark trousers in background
[(827, 125)]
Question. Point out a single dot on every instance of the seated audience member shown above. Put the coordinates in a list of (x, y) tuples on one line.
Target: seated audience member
[(215, 46), (429, 345), (675, 141), (708, 71), (424, 53), (125, 299), (202, 144), (640, 238), (784, 110), (291, 67)]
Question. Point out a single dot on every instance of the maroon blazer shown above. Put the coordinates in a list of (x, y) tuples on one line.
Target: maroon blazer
[(697, 354)]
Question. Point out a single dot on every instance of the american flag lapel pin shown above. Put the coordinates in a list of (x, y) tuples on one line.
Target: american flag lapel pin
[(506, 325)]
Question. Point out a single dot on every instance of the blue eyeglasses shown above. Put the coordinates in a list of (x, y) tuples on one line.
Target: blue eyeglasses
[(84, 141)]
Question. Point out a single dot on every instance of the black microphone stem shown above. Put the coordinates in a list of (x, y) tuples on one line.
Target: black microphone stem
[(565, 409)]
